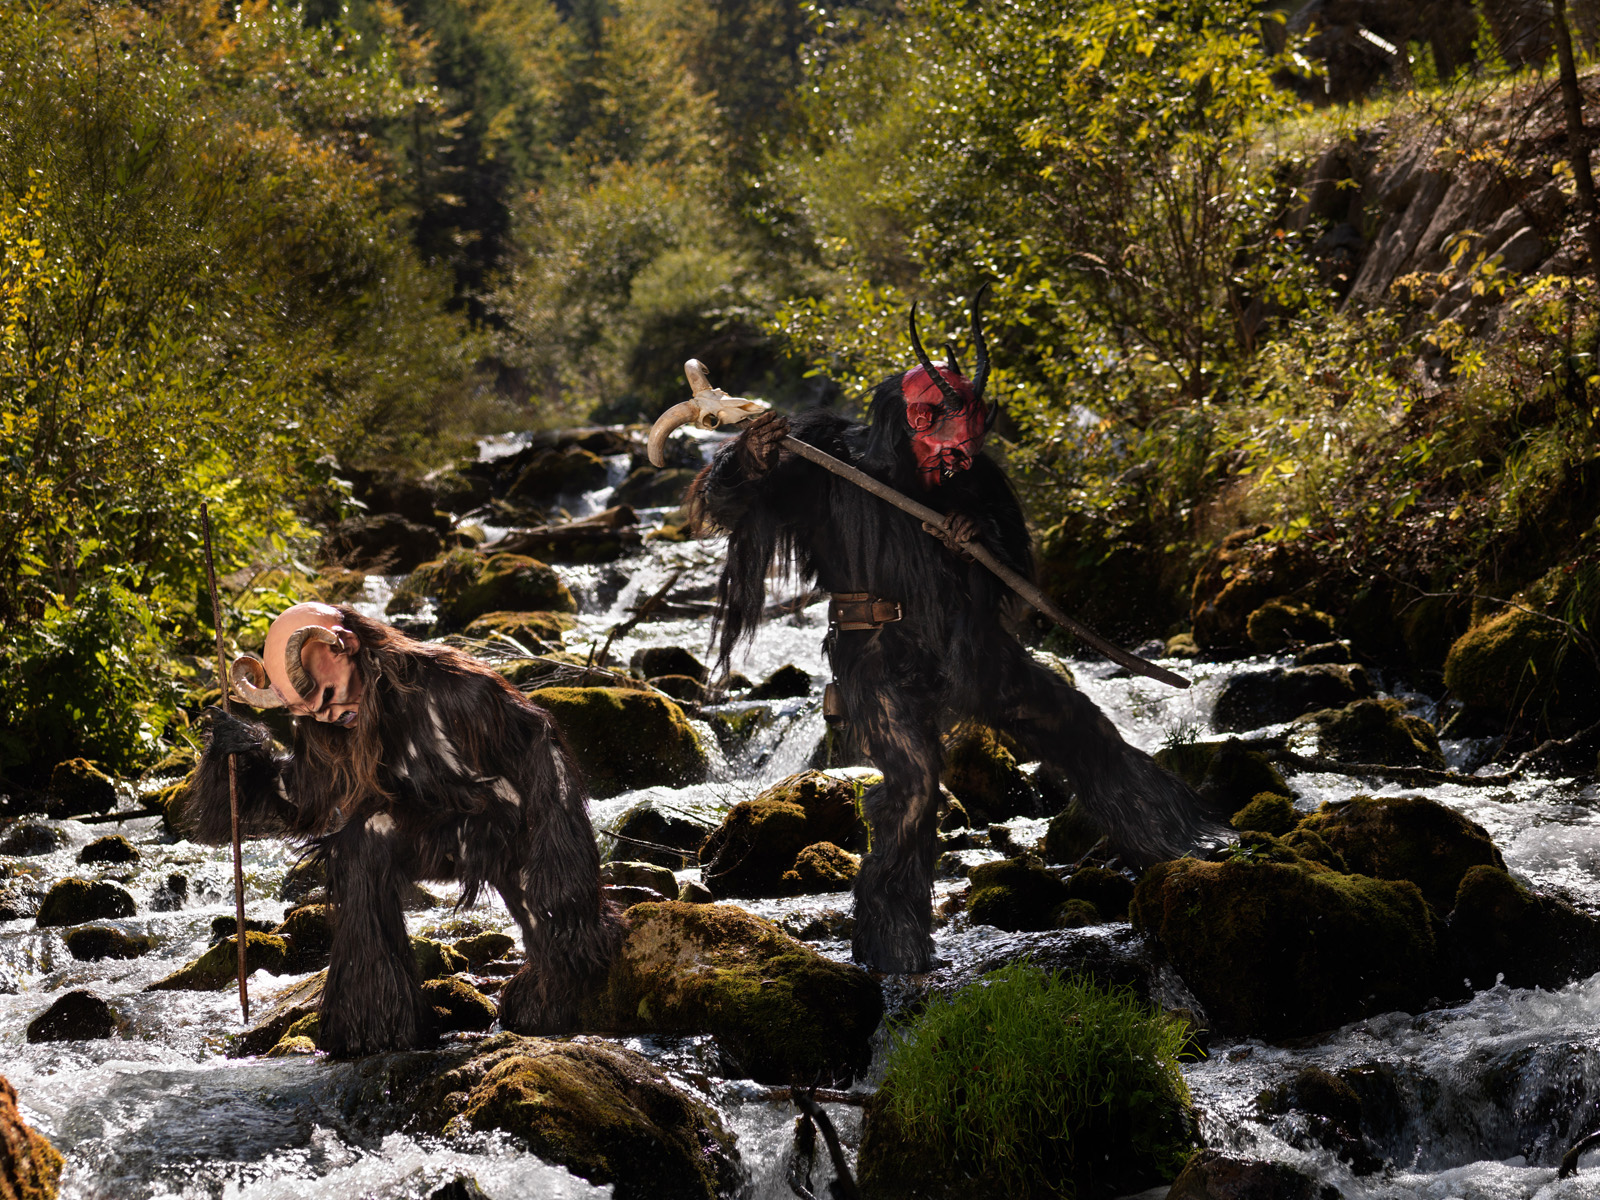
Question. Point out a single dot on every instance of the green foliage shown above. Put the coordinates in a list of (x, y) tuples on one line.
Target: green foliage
[(1040, 1085)]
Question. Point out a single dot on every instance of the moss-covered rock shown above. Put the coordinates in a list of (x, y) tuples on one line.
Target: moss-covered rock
[(981, 771), (667, 834), (652, 661), (1321, 653), (1076, 914), (1243, 573), (683, 688), (308, 930), (780, 1009), (1277, 950), (1015, 894), (28, 838), (227, 926), (1406, 837), (218, 967), (625, 739), (1328, 1111), (1281, 623), (1226, 774), (605, 1113), (73, 901), (1267, 813), (173, 802), (78, 1016), (1212, 1175), (552, 473), (466, 585), (293, 1047), (735, 729), (821, 867), (92, 943), (788, 682), (1109, 891), (304, 881), (529, 628), (1500, 928), (113, 848), (29, 1164), (625, 873), (1520, 662), (483, 948), (459, 1005), (1251, 699), (1368, 731), (77, 788), (1071, 834), (759, 840), (435, 960)]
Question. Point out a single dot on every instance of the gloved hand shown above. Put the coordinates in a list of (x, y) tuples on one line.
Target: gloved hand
[(958, 528), (761, 441), (229, 735)]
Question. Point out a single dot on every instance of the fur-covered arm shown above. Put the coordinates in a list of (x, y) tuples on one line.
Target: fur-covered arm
[(264, 809)]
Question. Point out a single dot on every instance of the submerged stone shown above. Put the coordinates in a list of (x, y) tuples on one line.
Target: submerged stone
[(78, 1016), (1212, 1175), (92, 943), (112, 849), (777, 1007), (219, 966), (73, 901), (30, 838), (1500, 929)]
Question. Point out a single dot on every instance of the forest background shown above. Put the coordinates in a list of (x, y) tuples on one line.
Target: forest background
[(248, 249)]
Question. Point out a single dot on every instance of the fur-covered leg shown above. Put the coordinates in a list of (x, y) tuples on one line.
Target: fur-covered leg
[(1149, 815), (373, 1000), (894, 889)]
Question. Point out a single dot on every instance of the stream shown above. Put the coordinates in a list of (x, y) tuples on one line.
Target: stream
[(1481, 1098)]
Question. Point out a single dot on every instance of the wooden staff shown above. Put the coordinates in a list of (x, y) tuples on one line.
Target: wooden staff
[(233, 770)]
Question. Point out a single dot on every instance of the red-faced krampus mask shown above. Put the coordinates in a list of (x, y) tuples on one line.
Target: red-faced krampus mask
[(945, 412)]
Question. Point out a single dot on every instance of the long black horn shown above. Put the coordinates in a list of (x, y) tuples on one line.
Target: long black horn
[(980, 376), (951, 360), (952, 397)]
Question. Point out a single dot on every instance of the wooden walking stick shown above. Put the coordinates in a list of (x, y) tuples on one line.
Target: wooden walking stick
[(712, 408), (233, 769)]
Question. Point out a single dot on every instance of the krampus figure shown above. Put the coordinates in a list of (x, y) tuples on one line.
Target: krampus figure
[(916, 635), (411, 761)]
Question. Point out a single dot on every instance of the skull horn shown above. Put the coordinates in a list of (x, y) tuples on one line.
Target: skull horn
[(300, 678), (248, 675), (951, 396), (710, 408), (679, 414), (980, 374)]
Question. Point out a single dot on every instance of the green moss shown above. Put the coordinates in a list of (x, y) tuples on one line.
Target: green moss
[(1373, 731), (459, 1005), (1071, 834), (981, 771), (32, 1170), (625, 739), (821, 867), (552, 473), (1109, 891), (172, 800), (1406, 837), (1500, 929), (292, 1047), (73, 901), (79, 787), (484, 948), (734, 729), (759, 840), (1028, 1084), (1519, 661), (1267, 813), (219, 966), (1014, 894), (436, 960), (92, 943), (780, 1009), (466, 586), (113, 848), (1280, 623), (308, 1026), (1075, 914), (1277, 950), (309, 932), (1225, 773)]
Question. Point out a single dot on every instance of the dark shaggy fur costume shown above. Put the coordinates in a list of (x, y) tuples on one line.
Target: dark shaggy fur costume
[(449, 774), (949, 657)]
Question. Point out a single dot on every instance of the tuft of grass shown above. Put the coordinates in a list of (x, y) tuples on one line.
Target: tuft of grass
[(1042, 1085)]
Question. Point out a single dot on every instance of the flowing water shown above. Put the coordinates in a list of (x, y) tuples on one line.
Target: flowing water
[(1481, 1099)]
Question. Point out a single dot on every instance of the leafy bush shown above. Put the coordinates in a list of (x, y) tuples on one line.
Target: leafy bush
[(1034, 1084)]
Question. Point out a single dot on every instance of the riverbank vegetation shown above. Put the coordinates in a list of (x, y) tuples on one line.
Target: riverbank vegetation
[(1271, 317)]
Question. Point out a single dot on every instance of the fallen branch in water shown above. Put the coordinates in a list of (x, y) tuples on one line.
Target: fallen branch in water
[(640, 612), (826, 1095), (1569, 1160), (1410, 775), (844, 1184)]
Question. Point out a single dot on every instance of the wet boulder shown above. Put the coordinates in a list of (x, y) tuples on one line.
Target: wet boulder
[(483, 948), (605, 1113), (1251, 699), (304, 881), (648, 487), (1267, 813), (683, 688), (466, 585), (1015, 894), (293, 1047), (788, 682), (30, 838), (1281, 623), (1368, 731), (1500, 928), (1279, 949), (1325, 652), (1520, 661), (759, 840), (1406, 837), (308, 931), (1240, 576), (642, 875), (172, 801), (1212, 1175), (1227, 774), (981, 771), (1071, 834), (435, 960), (666, 660), (552, 473), (226, 927), (537, 631), (777, 1007), (78, 788), (625, 739), (459, 1005), (111, 849), (821, 867), (78, 1016), (1325, 1111), (218, 967), (73, 901), (29, 1164), (1110, 892), (92, 943), (383, 542), (734, 729), (604, 537), (662, 832)]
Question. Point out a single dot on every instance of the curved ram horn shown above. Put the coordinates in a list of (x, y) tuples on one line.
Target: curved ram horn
[(710, 408), (248, 675), (679, 414), (299, 678), (952, 397)]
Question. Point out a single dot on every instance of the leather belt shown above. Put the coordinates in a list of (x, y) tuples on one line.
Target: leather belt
[(861, 610)]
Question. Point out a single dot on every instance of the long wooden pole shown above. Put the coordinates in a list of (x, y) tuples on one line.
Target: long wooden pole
[(1018, 583), (233, 771)]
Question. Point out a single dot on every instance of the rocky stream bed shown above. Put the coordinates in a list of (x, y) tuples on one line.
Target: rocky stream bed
[(1432, 1038)]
